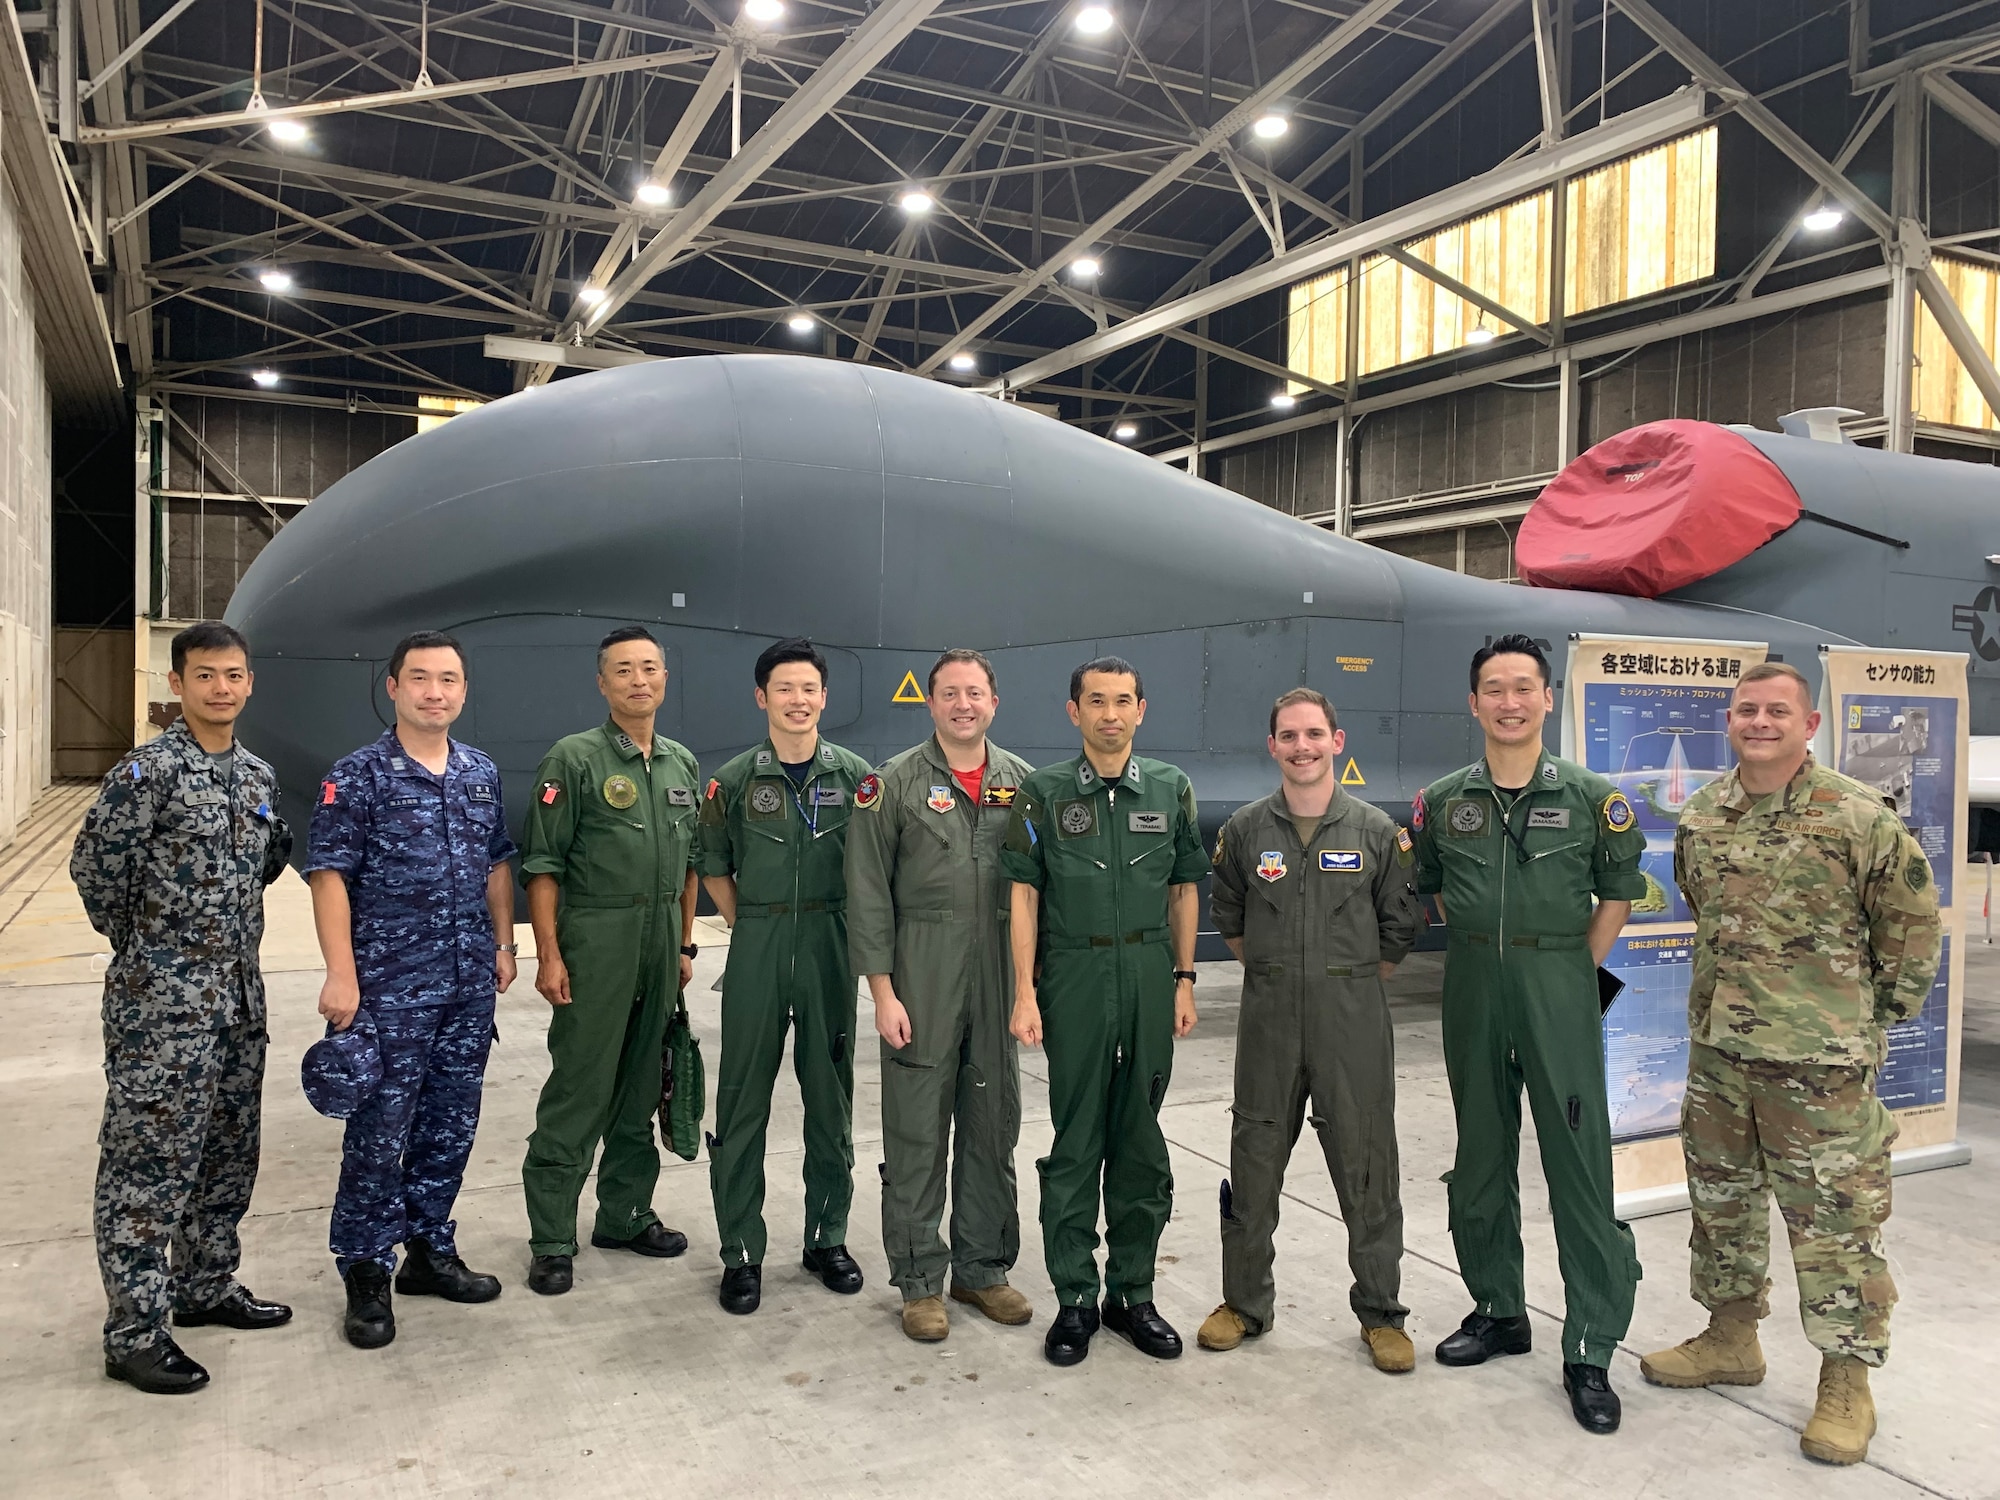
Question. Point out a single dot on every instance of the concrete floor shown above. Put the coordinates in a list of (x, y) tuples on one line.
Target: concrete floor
[(638, 1384)]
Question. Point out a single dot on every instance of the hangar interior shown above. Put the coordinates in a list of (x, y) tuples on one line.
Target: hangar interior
[(1385, 266)]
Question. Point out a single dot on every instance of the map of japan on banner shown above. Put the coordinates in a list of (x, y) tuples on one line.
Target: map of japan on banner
[(1653, 717), (1897, 721)]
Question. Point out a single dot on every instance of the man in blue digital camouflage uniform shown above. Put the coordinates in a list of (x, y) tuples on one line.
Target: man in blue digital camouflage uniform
[(171, 864), (414, 904)]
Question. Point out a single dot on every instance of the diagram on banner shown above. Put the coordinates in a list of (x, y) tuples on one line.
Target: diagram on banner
[(1914, 1072), (1646, 1034), (1906, 749), (1660, 743)]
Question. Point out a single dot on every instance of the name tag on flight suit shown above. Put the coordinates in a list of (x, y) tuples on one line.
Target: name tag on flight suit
[(1548, 817), (480, 793), (680, 796), (1147, 822), (1347, 861)]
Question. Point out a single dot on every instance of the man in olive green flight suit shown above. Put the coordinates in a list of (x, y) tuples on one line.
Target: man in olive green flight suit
[(1516, 845), (610, 829), (773, 833), (1313, 894), (1104, 852)]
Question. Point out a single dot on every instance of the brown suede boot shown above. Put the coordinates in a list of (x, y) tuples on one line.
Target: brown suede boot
[(1391, 1350), (1222, 1329), (1724, 1353), (924, 1319), (1000, 1302), (1843, 1419)]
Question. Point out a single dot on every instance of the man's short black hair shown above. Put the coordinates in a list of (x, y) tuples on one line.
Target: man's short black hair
[(1116, 665), (1509, 645), (208, 635), (426, 640), (796, 648), (623, 634)]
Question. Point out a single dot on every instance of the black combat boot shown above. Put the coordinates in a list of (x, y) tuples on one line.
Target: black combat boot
[(371, 1320), (1068, 1340), (429, 1272), (1480, 1338)]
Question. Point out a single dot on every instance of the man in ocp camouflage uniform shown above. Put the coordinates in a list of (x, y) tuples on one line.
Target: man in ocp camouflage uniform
[(1816, 927), (171, 864)]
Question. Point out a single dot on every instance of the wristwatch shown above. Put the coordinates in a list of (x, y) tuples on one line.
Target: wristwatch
[(691, 950), (508, 947), (1187, 974)]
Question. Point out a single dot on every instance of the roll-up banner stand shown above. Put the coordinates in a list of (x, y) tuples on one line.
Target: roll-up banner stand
[(1652, 715), (1898, 721)]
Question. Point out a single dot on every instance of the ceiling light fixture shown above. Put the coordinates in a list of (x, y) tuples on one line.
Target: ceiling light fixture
[(1284, 401), (963, 362), (590, 296), (1480, 334), (1085, 268), (654, 194), (1270, 127), (764, 12), (916, 201), (1822, 219), (265, 378), (289, 132), (1095, 20), (1125, 431), (274, 280), (801, 323)]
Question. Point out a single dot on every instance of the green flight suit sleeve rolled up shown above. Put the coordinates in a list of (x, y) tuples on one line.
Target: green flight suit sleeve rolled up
[(1190, 857), (1423, 845), (1620, 842), (551, 823), (714, 847), (873, 835), (1899, 899)]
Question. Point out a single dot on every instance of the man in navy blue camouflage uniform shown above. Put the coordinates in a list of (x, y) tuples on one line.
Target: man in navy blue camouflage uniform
[(171, 864), (414, 903)]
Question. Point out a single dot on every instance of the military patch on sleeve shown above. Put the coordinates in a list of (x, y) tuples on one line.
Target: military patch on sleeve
[(139, 773), (869, 792), (1618, 814), (550, 790), (714, 788), (1403, 840), (1417, 811), (1216, 858), (1917, 872), (327, 790)]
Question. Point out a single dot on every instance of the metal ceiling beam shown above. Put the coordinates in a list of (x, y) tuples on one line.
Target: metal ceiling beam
[(1712, 75), (1620, 136), (1281, 84), (1966, 107), (1548, 71), (1970, 47), (139, 44), (125, 187), (871, 41)]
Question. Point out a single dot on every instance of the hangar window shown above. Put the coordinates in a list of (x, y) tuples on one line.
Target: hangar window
[(1942, 390), (1634, 228), (435, 411)]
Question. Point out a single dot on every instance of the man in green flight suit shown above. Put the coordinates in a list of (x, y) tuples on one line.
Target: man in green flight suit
[(1105, 853), (1516, 846), (773, 835), (610, 831), (926, 923)]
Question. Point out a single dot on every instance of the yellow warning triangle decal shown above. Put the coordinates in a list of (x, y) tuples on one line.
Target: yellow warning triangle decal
[(907, 690), (1352, 775)]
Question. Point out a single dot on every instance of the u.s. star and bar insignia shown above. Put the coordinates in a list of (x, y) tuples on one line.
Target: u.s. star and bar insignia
[(940, 799), (1271, 864)]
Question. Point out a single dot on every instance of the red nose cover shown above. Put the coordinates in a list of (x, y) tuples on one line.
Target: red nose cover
[(1654, 509)]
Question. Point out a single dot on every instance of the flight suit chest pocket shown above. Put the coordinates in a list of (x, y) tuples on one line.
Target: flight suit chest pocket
[(199, 813), (1335, 877), (1148, 836), (1786, 851)]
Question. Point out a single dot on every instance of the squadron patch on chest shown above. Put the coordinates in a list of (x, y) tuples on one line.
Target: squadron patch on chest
[(1146, 822), (1466, 816), (1271, 864), (1076, 819), (1341, 861), (940, 800), (620, 791), (766, 801)]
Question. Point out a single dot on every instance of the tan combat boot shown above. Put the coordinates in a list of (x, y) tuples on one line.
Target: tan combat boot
[(924, 1319), (1724, 1353), (1222, 1329), (1843, 1420), (1391, 1350), (1000, 1302)]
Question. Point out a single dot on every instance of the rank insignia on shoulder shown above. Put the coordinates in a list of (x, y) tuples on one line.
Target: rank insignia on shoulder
[(940, 800), (998, 796), (869, 792), (1825, 794), (1271, 864), (1342, 861), (550, 790), (1618, 814), (1549, 772), (1403, 840), (327, 790), (139, 774)]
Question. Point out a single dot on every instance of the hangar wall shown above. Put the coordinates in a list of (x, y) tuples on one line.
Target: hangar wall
[(26, 444)]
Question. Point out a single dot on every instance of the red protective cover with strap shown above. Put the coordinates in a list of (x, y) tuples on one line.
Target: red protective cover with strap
[(1654, 509)]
